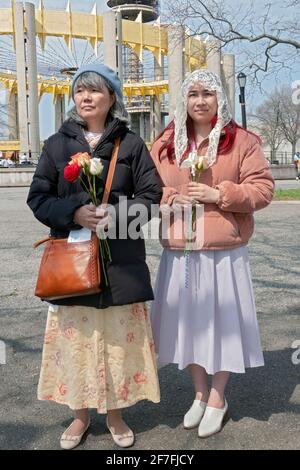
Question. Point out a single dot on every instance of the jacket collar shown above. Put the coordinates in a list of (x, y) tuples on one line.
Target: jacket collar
[(166, 135), (115, 129)]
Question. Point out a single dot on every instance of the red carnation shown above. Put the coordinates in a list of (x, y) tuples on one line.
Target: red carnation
[(72, 172)]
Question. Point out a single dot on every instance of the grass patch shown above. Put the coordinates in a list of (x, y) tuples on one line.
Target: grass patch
[(287, 195)]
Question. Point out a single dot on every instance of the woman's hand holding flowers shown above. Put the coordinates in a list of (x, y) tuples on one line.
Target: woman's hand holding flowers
[(88, 216), (181, 200), (203, 193)]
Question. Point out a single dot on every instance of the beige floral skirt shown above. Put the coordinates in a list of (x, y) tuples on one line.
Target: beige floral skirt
[(102, 359)]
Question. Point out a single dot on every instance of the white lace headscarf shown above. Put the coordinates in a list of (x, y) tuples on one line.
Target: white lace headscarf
[(211, 82)]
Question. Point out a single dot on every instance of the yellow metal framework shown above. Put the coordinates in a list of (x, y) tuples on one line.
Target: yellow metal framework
[(74, 25), (9, 146), (89, 26), (63, 87)]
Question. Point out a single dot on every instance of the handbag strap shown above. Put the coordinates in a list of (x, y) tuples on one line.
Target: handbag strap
[(111, 171), (43, 240)]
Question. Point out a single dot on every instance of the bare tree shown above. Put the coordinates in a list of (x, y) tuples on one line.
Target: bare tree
[(289, 117), (277, 120), (267, 123), (267, 35)]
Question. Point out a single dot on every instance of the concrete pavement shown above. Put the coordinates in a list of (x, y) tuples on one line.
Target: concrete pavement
[(264, 402), (287, 184)]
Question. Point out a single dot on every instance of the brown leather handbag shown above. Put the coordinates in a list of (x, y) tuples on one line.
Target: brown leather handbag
[(72, 269)]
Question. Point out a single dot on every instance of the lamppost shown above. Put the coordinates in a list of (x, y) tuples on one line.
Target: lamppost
[(242, 82)]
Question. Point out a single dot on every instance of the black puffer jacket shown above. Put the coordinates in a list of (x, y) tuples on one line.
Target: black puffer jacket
[(53, 201)]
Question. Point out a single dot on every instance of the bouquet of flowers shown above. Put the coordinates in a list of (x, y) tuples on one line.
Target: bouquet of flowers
[(197, 166), (91, 168)]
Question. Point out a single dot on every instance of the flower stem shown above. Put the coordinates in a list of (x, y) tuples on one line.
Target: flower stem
[(83, 183), (107, 249), (194, 218), (91, 191), (94, 185), (103, 262)]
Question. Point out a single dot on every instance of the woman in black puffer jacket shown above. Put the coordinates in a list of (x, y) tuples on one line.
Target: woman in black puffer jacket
[(98, 350)]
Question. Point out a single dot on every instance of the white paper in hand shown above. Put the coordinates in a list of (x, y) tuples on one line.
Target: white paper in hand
[(81, 235)]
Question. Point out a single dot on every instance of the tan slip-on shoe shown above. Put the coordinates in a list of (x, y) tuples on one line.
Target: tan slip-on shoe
[(122, 440), (68, 442)]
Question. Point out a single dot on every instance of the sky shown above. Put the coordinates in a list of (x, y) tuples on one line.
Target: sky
[(46, 109), (254, 96)]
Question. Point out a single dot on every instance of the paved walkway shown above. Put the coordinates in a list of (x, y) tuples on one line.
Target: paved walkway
[(287, 184), (264, 403)]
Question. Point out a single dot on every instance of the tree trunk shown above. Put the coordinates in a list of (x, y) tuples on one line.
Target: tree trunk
[(273, 153)]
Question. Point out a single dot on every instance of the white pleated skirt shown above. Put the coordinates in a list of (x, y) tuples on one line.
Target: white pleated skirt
[(204, 311)]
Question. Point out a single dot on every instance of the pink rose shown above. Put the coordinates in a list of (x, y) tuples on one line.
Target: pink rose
[(130, 337), (69, 333), (123, 392), (62, 389), (139, 378)]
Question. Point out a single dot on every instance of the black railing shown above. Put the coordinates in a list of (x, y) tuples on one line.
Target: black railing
[(279, 158)]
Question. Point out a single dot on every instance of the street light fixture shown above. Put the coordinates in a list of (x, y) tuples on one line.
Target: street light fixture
[(242, 83)]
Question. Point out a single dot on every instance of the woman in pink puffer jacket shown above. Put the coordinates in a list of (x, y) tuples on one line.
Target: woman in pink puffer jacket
[(203, 315)]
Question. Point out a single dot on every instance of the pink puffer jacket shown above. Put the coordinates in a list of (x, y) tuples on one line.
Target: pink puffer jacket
[(245, 183)]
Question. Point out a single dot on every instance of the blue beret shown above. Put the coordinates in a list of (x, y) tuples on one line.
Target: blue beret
[(103, 71)]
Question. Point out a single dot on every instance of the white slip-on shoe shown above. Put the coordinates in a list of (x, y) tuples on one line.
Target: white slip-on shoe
[(212, 420), (122, 440), (194, 415), (68, 442)]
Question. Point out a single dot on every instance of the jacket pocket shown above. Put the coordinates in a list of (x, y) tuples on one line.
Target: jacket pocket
[(221, 229), (232, 219), (246, 225)]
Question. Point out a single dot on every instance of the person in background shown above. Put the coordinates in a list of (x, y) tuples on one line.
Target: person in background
[(296, 160)]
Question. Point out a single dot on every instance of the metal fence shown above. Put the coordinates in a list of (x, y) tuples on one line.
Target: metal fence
[(279, 158), (275, 158)]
